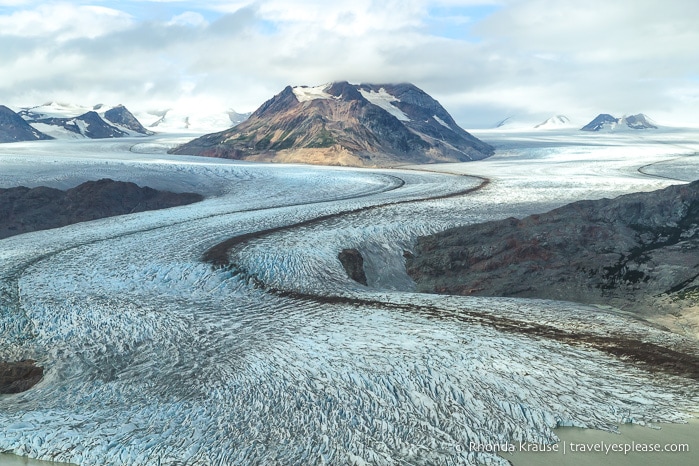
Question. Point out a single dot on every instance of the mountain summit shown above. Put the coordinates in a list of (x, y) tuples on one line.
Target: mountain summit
[(345, 124), (606, 122)]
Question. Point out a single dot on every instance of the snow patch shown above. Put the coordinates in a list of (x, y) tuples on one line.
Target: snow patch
[(384, 100), (555, 122), (56, 132), (306, 94), (441, 122)]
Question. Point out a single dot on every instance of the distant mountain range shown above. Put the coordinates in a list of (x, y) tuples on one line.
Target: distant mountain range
[(603, 122), (66, 121), (606, 122), (345, 124)]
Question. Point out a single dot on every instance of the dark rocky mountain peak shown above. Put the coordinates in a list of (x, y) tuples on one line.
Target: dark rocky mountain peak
[(600, 121), (91, 125), (13, 128), (121, 116), (345, 124)]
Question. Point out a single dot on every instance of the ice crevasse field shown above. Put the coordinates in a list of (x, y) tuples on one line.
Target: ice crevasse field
[(153, 356)]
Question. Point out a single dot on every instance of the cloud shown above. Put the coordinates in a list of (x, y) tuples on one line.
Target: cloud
[(63, 21), (479, 58)]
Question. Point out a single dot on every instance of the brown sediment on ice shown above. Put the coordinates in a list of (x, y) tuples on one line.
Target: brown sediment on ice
[(218, 254)]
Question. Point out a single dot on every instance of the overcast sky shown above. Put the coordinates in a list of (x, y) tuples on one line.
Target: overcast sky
[(484, 60)]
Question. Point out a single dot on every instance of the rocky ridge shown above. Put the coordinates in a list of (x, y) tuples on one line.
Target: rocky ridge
[(637, 252), (345, 124), (25, 209)]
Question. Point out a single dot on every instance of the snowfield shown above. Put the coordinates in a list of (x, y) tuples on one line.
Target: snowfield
[(153, 356)]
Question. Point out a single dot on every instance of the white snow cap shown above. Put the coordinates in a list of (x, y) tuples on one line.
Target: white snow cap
[(305, 93), (555, 122)]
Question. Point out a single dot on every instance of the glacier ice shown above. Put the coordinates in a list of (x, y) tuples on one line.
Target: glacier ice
[(153, 356)]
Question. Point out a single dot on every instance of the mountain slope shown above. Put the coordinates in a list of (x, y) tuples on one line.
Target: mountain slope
[(624, 252), (13, 128), (345, 124)]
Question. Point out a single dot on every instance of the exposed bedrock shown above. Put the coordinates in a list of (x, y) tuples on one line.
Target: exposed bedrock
[(638, 252), (353, 263), (23, 209), (19, 376)]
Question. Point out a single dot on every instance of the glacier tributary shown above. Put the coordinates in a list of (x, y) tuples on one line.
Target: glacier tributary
[(155, 357)]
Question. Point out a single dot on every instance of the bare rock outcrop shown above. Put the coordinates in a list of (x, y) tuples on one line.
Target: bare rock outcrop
[(19, 376), (25, 209), (638, 252), (353, 263)]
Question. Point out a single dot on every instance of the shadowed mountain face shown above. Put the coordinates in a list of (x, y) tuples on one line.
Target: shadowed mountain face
[(13, 128), (624, 252), (23, 209), (121, 116), (345, 124)]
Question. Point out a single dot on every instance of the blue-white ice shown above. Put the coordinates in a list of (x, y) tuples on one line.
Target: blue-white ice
[(154, 357)]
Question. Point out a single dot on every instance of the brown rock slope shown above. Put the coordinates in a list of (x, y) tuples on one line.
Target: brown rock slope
[(638, 252), (345, 124), (19, 376), (23, 209)]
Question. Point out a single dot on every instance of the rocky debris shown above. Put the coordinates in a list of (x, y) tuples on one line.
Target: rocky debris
[(13, 128), (627, 252), (23, 209), (20, 376), (345, 124), (353, 263)]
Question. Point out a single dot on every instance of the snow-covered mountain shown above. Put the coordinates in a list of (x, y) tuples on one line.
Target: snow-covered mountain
[(606, 122), (69, 121), (346, 124), (555, 122)]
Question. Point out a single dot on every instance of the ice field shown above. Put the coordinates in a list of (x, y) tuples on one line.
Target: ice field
[(153, 356)]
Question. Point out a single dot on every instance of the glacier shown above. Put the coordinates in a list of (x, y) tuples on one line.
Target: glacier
[(153, 356)]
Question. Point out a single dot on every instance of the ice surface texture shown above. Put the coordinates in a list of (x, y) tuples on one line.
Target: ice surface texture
[(154, 357)]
